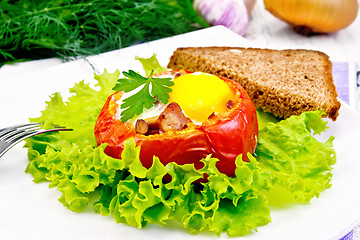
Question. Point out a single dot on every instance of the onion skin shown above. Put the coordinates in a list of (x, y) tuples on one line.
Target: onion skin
[(249, 4), (232, 14), (224, 136), (314, 16)]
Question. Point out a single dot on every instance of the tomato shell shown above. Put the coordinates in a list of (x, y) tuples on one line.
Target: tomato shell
[(225, 136)]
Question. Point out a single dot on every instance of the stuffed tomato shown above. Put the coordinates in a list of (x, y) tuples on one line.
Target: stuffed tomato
[(204, 115)]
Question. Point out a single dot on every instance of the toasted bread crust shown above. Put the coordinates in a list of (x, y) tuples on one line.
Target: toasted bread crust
[(283, 82)]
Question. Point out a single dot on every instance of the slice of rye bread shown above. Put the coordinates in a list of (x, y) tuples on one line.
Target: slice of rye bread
[(283, 82)]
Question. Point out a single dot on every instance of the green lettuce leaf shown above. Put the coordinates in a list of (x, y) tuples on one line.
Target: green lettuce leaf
[(300, 165), (289, 166), (223, 204), (151, 64)]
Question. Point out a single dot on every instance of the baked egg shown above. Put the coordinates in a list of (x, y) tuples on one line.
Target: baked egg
[(198, 94)]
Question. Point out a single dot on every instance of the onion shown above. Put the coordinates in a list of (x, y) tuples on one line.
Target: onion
[(250, 4), (232, 14), (314, 16)]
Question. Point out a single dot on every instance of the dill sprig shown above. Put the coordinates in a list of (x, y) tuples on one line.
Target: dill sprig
[(34, 29)]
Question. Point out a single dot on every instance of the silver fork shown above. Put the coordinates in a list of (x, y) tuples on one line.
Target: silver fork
[(12, 135)]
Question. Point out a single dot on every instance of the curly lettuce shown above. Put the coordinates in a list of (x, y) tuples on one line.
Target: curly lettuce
[(299, 164), (289, 166)]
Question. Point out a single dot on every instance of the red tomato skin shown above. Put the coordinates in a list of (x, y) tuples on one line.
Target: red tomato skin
[(237, 134), (225, 137)]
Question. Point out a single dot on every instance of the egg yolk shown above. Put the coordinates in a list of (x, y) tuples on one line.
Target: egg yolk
[(200, 95)]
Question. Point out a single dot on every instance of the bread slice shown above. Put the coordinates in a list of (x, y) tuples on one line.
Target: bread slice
[(283, 82)]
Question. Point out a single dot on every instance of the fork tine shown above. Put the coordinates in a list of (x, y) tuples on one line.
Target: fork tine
[(21, 133), (4, 131), (20, 125), (12, 135), (24, 135), (30, 134), (29, 131), (13, 132)]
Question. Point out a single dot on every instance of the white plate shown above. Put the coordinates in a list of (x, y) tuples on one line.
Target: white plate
[(32, 211)]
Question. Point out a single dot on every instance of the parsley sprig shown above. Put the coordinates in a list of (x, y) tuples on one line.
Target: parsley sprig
[(146, 96)]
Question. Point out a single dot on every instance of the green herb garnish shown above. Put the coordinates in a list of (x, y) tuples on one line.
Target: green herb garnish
[(71, 28), (134, 105)]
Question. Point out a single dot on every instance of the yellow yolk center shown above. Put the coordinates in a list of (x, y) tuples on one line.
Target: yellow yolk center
[(200, 95)]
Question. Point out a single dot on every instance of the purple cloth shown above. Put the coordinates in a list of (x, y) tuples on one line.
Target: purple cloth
[(341, 79)]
